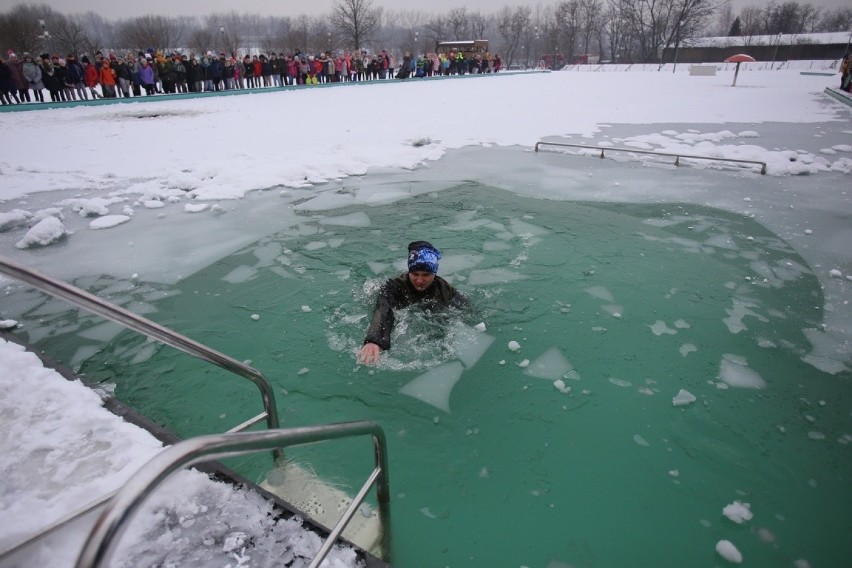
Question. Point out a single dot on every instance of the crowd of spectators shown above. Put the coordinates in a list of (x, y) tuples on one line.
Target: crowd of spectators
[(128, 75)]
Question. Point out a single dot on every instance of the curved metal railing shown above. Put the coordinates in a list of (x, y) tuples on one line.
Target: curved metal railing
[(677, 157), (113, 520), (139, 324)]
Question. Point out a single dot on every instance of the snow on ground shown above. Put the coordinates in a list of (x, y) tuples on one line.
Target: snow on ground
[(72, 174)]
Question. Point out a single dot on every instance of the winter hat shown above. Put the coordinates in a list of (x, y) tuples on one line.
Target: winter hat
[(423, 257)]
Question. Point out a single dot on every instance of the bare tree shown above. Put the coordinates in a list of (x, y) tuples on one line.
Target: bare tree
[(457, 24), (839, 20), (478, 24), (98, 32), (69, 36), (512, 23), (21, 29), (655, 24), (356, 21), (151, 31), (591, 22)]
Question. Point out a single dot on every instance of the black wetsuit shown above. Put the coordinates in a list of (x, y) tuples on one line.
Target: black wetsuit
[(399, 293)]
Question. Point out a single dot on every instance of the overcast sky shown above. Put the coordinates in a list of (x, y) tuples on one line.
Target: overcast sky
[(112, 9)]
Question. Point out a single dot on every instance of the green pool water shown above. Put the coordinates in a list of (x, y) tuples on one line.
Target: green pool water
[(624, 304)]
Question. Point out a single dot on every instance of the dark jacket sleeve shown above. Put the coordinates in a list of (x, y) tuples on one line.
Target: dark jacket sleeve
[(381, 325)]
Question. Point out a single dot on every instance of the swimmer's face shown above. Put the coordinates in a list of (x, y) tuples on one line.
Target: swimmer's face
[(421, 279)]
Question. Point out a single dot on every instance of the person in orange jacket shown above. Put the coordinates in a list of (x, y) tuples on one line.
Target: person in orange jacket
[(106, 77)]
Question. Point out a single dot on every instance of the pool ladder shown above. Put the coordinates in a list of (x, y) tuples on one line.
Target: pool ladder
[(121, 504)]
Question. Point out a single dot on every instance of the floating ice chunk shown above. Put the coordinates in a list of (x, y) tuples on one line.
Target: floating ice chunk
[(377, 267), (303, 371), (524, 364), (522, 228), (495, 246), (514, 346), (560, 386), (306, 309), (729, 552), (640, 440), (748, 134), (620, 382), (814, 435), (153, 204), (659, 328), (315, 245), (738, 512), (600, 293), (240, 274), (674, 473), (45, 232), (434, 387), (8, 324), (470, 347), (196, 207), (255, 317), (108, 221), (834, 273), (14, 218), (614, 310), (687, 348), (550, 365), (683, 398), (734, 371), (809, 232), (427, 513), (357, 219), (681, 324), (479, 327), (493, 276), (452, 263)]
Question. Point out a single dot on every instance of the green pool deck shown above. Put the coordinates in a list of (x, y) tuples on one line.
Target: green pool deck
[(234, 92)]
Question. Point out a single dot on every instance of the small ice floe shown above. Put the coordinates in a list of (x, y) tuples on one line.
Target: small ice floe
[(514, 346), (683, 398), (8, 324), (108, 221), (479, 327), (427, 513), (640, 440), (306, 309), (524, 364), (738, 512), (620, 382), (303, 371), (808, 232), (729, 552), (687, 348), (834, 273), (45, 232), (735, 372), (560, 386), (196, 207), (674, 473), (659, 328), (255, 317), (153, 204)]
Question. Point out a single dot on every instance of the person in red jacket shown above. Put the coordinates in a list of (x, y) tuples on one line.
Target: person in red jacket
[(106, 77), (90, 76)]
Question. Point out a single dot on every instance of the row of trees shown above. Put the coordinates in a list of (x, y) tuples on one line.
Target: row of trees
[(623, 30)]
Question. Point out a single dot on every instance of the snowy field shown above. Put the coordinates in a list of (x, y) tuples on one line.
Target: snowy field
[(153, 190)]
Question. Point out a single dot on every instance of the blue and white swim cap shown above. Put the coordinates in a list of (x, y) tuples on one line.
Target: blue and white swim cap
[(423, 257)]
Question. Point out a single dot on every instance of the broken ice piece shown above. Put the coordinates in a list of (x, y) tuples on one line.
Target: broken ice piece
[(683, 398)]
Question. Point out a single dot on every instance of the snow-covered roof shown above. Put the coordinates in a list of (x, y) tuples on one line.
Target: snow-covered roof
[(774, 39)]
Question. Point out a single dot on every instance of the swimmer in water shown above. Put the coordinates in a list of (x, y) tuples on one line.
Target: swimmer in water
[(420, 285)]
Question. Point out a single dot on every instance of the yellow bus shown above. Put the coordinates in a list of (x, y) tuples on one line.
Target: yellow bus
[(468, 48)]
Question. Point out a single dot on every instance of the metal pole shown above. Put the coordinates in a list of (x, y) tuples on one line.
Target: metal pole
[(677, 45)]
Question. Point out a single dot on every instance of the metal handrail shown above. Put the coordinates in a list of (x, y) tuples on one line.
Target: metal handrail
[(139, 324), (113, 520), (653, 153)]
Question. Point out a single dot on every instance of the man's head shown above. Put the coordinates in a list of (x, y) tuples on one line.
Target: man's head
[(422, 264)]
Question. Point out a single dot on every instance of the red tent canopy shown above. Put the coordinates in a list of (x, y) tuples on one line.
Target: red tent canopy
[(740, 58)]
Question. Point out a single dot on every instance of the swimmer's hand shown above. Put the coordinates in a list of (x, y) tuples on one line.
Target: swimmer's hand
[(369, 354)]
